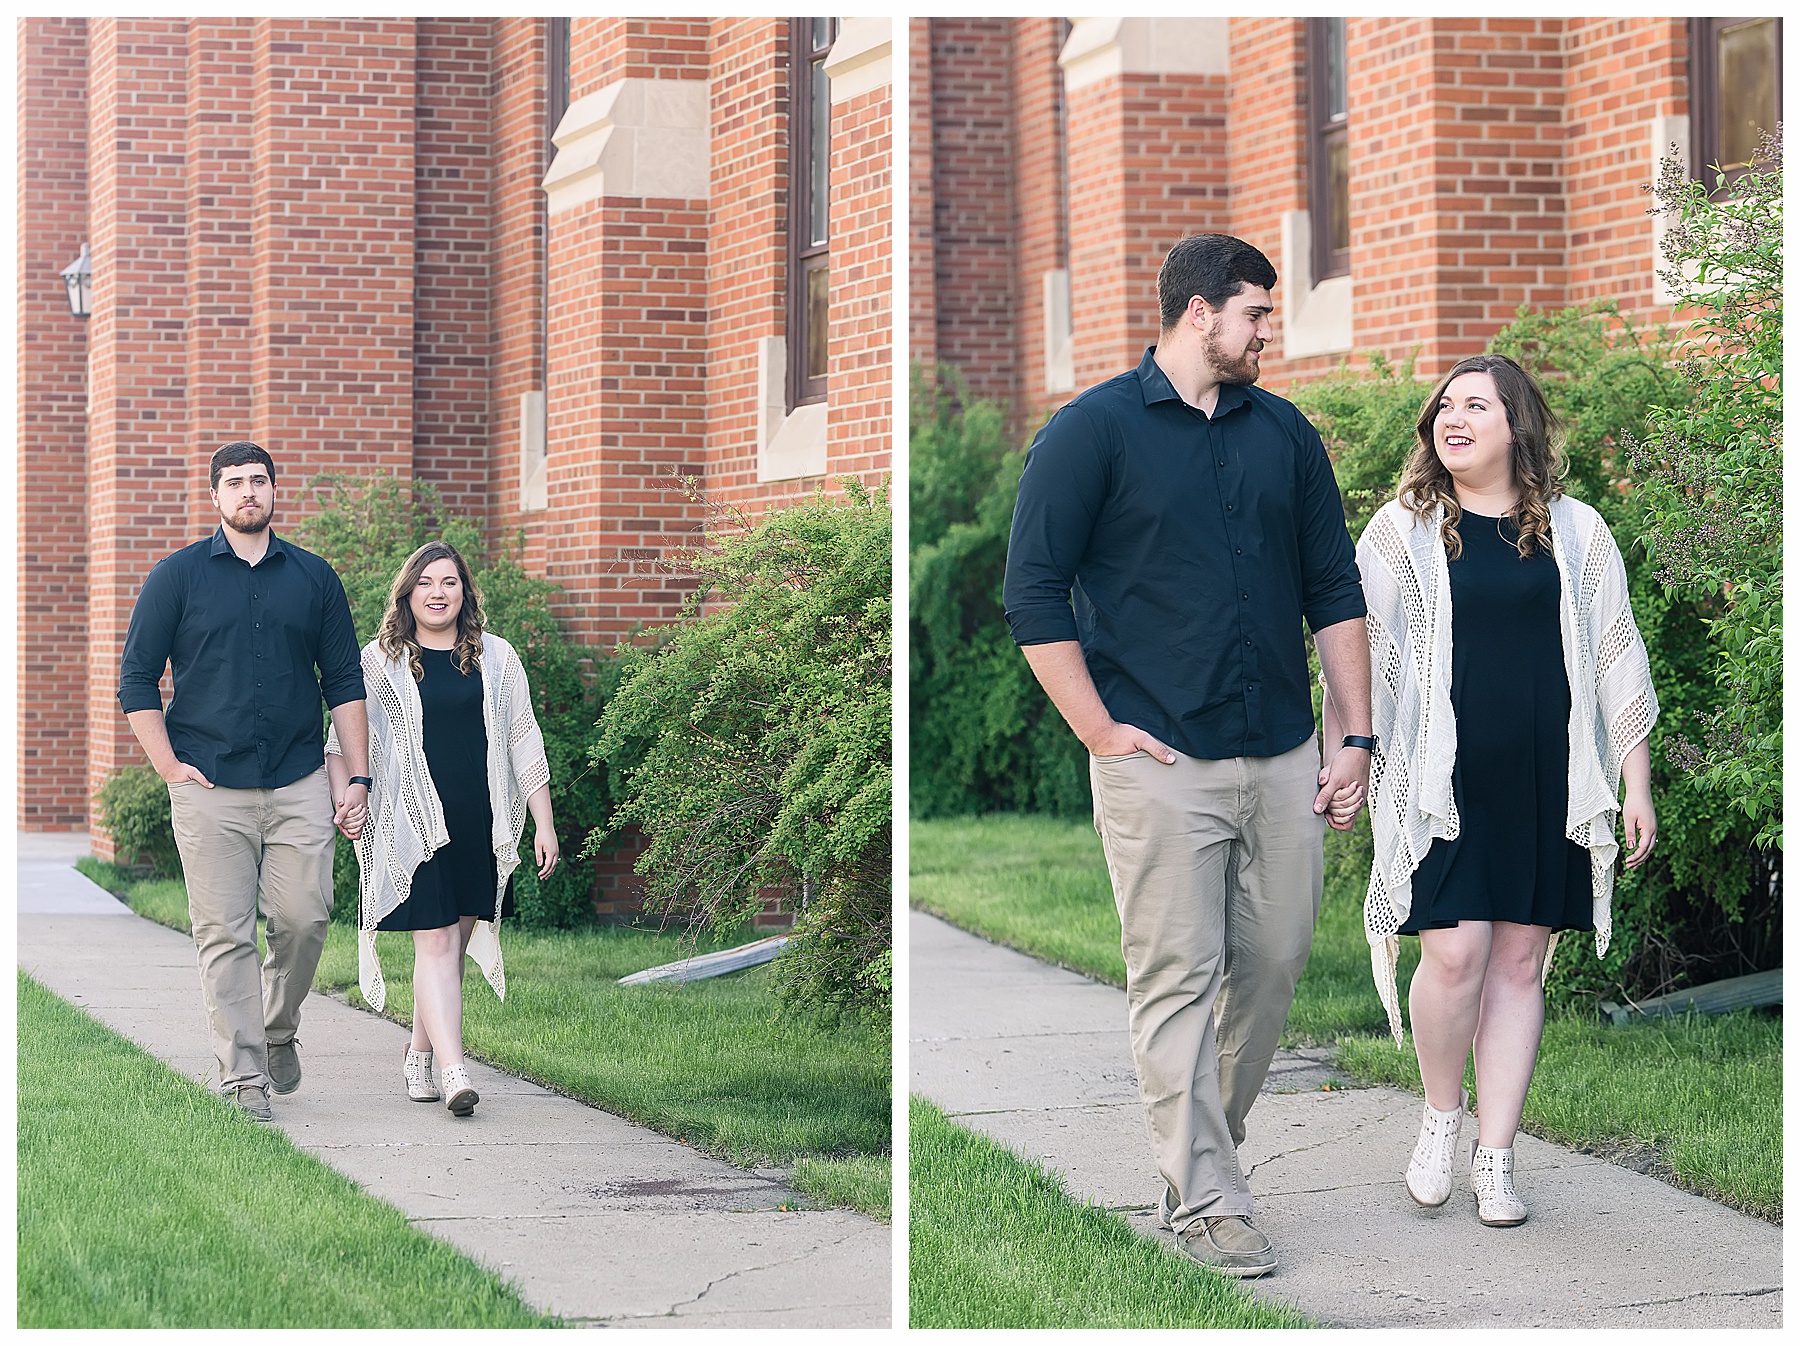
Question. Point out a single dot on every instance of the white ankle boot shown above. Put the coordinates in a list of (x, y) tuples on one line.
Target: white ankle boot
[(419, 1087), (1490, 1174), (1429, 1177), (459, 1091)]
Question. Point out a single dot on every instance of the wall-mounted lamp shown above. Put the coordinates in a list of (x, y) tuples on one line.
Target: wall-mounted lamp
[(78, 276)]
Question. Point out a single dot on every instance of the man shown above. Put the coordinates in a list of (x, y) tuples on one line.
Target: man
[(243, 619), (1196, 521)]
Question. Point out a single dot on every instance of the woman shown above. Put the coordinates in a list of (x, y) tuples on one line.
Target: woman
[(1511, 689), (457, 760)]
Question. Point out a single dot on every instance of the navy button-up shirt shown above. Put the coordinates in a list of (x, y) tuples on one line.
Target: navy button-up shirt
[(1194, 547), (254, 650)]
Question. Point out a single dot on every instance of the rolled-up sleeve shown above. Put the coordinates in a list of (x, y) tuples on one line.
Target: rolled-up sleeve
[(1060, 495), (1331, 585), (148, 640), (340, 661)]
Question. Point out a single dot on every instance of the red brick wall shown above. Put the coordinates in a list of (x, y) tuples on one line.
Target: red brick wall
[(972, 175), (1268, 163), (602, 50), (515, 248), (1621, 74), (333, 239), (861, 395), (451, 289), (746, 258), (1147, 167), (921, 271), (1042, 238), (137, 444), (54, 485), (220, 220)]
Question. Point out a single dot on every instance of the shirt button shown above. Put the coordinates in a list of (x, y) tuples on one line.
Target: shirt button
[(1231, 507), (1246, 599), (1221, 462), (1239, 551), (1246, 644)]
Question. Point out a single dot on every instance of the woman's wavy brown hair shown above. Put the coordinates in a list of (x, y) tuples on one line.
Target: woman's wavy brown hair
[(399, 636), (1538, 462)]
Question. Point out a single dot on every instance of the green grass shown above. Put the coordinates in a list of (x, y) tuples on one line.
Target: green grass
[(1696, 1101), (997, 1242), (862, 1182), (144, 1201), (710, 1063)]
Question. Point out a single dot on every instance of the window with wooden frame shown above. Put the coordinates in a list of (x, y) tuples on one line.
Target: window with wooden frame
[(1327, 148), (1734, 78), (809, 209)]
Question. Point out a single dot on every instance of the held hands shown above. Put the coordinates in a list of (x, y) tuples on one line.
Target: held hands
[(352, 811), (1344, 788), (1639, 817), (1121, 740)]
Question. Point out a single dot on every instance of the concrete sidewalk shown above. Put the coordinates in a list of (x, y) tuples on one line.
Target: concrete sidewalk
[(597, 1220), (1038, 1058)]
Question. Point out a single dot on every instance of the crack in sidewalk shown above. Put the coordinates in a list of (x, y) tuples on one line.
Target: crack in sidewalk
[(1755, 1292)]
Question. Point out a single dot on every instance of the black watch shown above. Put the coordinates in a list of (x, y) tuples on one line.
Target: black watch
[(364, 781), (1367, 742)]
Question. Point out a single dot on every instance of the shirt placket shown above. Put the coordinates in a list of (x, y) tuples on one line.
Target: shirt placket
[(1231, 493), (259, 665)]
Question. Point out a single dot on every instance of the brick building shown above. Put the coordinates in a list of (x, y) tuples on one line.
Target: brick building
[(544, 264), (1413, 180)]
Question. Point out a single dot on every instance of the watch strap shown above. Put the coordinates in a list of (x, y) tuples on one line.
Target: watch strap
[(366, 782), (1367, 742)]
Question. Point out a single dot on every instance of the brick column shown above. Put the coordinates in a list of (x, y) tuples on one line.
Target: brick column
[(1628, 99), (333, 240), (859, 432), (451, 291), (1147, 167), (921, 271), (628, 318), (138, 439), (220, 215), (746, 258), (515, 247), (52, 482), (1457, 146), (972, 185), (1040, 232)]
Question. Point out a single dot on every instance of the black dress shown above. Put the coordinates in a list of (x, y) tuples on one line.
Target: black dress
[(459, 879), (1512, 861)]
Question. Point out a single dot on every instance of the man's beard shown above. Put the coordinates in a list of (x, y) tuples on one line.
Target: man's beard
[(257, 522), (1239, 368)]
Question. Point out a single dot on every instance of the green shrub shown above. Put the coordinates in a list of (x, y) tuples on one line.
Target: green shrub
[(133, 807), (1710, 470), (367, 527), (983, 734), (755, 743)]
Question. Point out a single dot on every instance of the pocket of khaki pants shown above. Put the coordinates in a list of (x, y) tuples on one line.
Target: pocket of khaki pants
[(1122, 757)]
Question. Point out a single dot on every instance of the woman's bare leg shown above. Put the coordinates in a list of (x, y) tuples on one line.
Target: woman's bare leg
[(437, 993), (1446, 1006), (1512, 1026)]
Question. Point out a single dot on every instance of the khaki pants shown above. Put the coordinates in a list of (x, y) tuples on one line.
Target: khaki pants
[(234, 843), (1217, 869)]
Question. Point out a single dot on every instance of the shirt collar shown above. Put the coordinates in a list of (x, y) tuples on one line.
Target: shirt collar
[(1155, 386), (220, 547)]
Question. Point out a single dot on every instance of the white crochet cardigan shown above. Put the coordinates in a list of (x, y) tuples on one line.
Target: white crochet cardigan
[(1406, 582), (406, 820)]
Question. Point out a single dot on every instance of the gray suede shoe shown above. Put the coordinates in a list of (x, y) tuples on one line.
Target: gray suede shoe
[(254, 1099), (1229, 1244), (284, 1066)]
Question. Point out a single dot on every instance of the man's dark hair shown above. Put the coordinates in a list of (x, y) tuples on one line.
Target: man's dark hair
[(1213, 266), (236, 454)]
